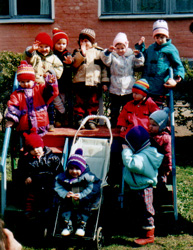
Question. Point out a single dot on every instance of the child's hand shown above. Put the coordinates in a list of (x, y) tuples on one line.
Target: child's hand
[(76, 196), (68, 59), (178, 79), (35, 45), (28, 181), (105, 88), (70, 194), (51, 78), (171, 83), (136, 52), (83, 48), (142, 40), (11, 242), (111, 48), (124, 146), (9, 124), (123, 129)]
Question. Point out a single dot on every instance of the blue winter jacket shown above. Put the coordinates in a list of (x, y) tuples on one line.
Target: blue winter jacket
[(88, 184), (158, 60), (141, 169)]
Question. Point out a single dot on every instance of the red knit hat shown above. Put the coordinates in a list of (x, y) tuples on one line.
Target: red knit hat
[(25, 71), (59, 34), (33, 140), (44, 38)]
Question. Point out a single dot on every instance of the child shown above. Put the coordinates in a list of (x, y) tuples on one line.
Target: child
[(159, 57), (89, 73), (141, 163), (122, 61), (60, 41), (41, 57), (77, 185), (27, 106), (137, 111), (38, 169), (161, 138)]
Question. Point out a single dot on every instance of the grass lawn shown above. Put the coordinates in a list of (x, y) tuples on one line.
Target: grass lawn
[(169, 233)]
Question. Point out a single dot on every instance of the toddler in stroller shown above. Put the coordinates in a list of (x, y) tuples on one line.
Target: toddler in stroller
[(79, 190)]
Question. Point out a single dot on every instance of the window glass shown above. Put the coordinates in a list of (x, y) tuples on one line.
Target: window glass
[(4, 7), (114, 6), (153, 6), (23, 7), (184, 6)]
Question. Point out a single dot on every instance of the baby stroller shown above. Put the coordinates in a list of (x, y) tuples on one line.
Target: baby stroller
[(96, 152)]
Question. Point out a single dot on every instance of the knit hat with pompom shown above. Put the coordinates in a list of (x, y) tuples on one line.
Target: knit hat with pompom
[(59, 34), (77, 160), (25, 71)]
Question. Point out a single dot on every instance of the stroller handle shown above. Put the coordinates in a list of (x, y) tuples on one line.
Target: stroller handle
[(89, 117)]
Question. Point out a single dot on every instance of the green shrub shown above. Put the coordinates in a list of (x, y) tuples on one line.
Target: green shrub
[(9, 62), (184, 93)]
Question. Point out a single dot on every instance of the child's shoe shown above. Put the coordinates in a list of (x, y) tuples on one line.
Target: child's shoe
[(81, 229), (68, 228), (51, 128)]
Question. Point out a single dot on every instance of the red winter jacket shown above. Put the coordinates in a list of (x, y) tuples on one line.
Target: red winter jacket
[(136, 113), (28, 107), (163, 140)]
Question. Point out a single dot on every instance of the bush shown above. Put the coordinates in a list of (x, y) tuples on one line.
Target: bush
[(184, 93), (9, 62)]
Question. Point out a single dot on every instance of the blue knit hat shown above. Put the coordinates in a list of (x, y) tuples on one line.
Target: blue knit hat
[(161, 118), (77, 160), (137, 138)]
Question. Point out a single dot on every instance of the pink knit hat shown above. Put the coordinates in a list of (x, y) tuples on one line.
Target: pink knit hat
[(121, 38), (160, 27), (25, 71)]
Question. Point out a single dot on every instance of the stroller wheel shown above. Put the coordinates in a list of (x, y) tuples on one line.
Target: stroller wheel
[(99, 238)]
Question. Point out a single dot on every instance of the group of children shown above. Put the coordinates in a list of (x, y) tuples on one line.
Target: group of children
[(45, 82)]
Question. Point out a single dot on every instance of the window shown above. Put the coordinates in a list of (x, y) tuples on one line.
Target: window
[(18, 11), (145, 9)]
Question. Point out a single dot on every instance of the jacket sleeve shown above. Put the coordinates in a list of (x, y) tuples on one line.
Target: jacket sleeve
[(57, 67), (50, 90), (78, 59), (122, 118), (59, 188), (93, 187), (106, 57), (152, 106), (176, 63), (13, 112), (138, 60)]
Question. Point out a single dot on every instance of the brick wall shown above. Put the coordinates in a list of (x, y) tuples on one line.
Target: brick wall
[(73, 16)]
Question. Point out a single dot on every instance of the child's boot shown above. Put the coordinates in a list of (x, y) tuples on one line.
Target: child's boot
[(68, 229), (148, 238), (81, 229)]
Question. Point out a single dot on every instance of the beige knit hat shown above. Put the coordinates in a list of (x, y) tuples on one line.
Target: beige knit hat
[(160, 27), (89, 33)]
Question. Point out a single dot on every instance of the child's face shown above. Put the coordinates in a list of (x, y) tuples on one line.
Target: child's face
[(160, 39), (74, 171), (26, 84), (44, 49), (86, 42), (61, 45), (138, 97), (120, 49), (37, 151), (153, 127)]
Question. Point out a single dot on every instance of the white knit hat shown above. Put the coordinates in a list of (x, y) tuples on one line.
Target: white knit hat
[(121, 38), (160, 27)]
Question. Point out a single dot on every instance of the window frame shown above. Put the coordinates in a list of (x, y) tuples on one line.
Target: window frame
[(168, 15), (14, 18)]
